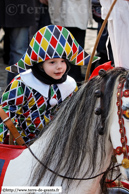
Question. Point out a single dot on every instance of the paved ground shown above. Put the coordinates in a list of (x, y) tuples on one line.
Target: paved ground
[(90, 40), (91, 35)]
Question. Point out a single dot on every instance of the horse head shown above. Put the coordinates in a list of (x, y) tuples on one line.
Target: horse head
[(85, 141), (118, 117)]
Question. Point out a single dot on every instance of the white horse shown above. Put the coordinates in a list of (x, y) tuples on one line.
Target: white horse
[(79, 143)]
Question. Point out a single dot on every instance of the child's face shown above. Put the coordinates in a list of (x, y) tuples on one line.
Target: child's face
[(55, 68)]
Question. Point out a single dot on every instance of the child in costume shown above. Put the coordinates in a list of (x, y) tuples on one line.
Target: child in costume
[(34, 95)]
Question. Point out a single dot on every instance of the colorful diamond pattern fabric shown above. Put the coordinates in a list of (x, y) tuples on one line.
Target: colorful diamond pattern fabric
[(28, 108), (51, 42)]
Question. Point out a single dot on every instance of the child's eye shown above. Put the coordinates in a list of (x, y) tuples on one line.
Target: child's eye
[(52, 62)]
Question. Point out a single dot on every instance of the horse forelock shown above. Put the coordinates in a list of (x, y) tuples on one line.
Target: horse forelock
[(74, 132)]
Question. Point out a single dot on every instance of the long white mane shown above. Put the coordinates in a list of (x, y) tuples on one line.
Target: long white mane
[(73, 136)]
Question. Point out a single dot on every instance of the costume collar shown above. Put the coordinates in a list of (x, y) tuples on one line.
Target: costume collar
[(66, 88)]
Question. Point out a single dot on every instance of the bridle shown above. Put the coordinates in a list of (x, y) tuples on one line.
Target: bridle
[(73, 178), (124, 149)]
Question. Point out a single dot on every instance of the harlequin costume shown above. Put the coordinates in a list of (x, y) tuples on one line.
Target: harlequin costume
[(29, 101)]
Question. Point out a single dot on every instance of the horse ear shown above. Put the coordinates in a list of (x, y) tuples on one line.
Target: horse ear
[(102, 73), (127, 82)]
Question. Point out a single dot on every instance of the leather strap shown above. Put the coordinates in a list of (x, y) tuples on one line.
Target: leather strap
[(7, 121)]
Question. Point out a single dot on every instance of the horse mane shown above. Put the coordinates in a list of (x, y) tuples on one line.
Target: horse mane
[(74, 132)]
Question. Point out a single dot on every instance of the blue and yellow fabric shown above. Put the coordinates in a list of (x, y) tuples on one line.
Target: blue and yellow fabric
[(28, 108)]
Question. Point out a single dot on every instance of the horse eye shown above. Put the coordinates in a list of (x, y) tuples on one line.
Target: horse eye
[(126, 113)]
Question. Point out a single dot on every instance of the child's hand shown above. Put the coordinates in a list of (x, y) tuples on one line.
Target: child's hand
[(44, 2)]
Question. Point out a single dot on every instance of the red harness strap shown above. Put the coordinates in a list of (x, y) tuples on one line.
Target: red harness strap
[(124, 149)]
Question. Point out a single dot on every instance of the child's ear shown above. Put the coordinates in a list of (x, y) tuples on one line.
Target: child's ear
[(41, 66)]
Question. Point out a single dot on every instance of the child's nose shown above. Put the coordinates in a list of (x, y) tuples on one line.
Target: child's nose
[(59, 65)]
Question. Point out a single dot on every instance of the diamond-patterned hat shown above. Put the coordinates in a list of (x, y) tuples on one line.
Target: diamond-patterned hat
[(51, 42)]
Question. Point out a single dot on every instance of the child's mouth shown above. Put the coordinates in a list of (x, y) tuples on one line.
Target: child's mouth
[(59, 73)]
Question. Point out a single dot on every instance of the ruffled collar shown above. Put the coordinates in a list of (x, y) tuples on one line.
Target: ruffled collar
[(66, 88)]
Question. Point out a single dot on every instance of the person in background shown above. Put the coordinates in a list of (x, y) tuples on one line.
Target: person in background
[(44, 14), (104, 50), (42, 17), (73, 15), (33, 97), (15, 18), (118, 29)]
